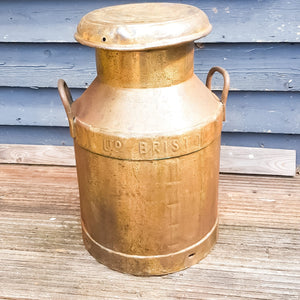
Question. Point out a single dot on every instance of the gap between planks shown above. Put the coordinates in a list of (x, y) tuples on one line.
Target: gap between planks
[(240, 160)]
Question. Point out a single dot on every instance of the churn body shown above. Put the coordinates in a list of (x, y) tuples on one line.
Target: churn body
[(147, 140)]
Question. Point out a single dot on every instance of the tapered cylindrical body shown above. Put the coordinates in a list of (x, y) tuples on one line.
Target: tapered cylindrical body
[(147, 141)]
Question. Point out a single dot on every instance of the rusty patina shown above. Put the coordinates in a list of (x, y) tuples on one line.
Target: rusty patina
[(147, 139)]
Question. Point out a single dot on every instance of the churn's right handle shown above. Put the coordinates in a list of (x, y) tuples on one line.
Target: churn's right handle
[(225, 87), (67, 101)]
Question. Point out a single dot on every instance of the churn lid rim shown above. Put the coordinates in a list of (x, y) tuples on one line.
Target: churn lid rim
[(187, 23)]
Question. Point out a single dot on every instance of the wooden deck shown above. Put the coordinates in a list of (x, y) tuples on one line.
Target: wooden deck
[(42, 256)]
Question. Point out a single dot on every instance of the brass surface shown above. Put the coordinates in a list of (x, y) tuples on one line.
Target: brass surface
[(147, 144), (225, 87), (155, 264), (67, 101), (156, 68), (151, 209), (142, 26)]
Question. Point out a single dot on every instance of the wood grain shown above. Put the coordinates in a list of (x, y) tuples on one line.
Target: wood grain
[(37, 155), (248, 160), (242, 160), (42, 255), (252, 67), (263, 140), (272, 21)]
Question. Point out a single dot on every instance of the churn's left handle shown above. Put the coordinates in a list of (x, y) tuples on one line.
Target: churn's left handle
[(67, 101), (225, 87)]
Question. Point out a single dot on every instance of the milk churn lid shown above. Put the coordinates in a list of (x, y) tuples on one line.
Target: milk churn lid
[(142, 26)]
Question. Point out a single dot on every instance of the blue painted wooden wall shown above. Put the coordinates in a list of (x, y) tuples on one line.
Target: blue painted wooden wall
[(256, 41)]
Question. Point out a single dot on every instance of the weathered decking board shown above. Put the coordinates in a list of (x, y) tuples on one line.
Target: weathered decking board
[(271, 21), (252, 67), (241, 160), (42, 255), (249, 160)]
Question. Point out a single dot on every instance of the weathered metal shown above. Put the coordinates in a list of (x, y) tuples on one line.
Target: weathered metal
[(147, 139)]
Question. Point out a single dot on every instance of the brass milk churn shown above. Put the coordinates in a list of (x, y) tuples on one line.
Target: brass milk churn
[(147, 139)]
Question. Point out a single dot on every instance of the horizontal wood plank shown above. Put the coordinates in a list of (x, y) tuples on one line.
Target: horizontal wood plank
[(267, 112), (262, 140), (242, 160), (252, 67), (56, 21), (247, 160), (60, 136), (37, 155), (35, 135), (256, 256)]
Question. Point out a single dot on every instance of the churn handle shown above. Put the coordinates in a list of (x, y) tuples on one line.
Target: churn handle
[(225, 87), (67, 101)]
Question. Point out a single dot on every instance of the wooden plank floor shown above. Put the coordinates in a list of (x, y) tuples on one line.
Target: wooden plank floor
[(42, 256)]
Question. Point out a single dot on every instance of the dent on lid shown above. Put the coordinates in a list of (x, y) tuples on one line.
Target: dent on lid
[(142, 26)]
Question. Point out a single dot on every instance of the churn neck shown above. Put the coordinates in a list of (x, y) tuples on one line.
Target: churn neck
[(143, 45), (146, 68)]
